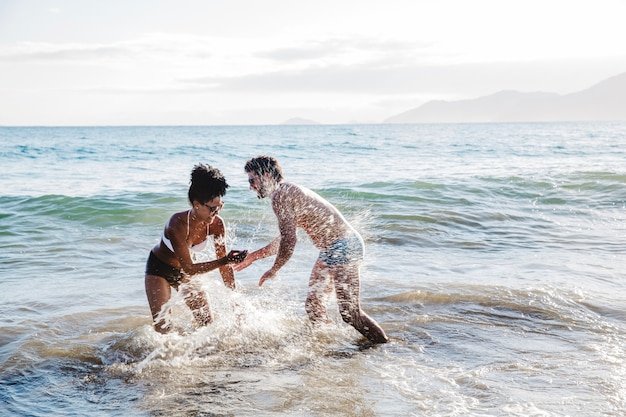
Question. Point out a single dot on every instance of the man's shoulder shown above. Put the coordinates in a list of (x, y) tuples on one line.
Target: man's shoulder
[(288, 194), (288, 188)]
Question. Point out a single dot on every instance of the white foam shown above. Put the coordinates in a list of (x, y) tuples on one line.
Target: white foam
[(265, 326)]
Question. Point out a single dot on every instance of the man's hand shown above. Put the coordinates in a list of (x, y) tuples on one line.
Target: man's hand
[(268, 275), (244, 264)]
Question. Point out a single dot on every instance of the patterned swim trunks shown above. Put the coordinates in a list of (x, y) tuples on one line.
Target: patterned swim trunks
[(343, 251)]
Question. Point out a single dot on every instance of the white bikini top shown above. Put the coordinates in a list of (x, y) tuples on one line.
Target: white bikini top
[(193, 250)]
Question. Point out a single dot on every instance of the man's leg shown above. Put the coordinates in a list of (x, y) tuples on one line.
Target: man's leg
[(320, 285), (347, 287)]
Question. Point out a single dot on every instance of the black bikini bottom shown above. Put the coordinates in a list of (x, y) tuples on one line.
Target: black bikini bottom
[(155, 266)]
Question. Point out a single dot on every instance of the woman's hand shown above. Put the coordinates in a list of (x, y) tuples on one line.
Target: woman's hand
[(236, 256)]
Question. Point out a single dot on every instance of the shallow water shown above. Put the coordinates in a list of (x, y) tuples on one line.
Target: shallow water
[(495, 262)]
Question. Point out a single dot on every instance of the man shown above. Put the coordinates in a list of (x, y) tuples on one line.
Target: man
[(341, 247)]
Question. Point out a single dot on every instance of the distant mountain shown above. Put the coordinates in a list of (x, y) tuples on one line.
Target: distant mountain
[(603, 101), (300, 121)]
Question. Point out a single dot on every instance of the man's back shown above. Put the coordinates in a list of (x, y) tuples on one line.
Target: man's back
[(319, 218)]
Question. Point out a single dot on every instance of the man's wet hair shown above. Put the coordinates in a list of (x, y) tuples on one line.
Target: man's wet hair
[(265, 165)]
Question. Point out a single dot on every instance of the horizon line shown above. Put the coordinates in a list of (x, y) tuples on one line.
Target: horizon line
[(306, 125)]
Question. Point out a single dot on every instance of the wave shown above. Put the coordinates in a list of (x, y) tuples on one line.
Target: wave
[(531, 309), (484, 213), (94, 211), (574, 188), (578, 191), (495, 212)]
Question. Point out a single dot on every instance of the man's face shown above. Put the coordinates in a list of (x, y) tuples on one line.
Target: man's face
[(260, 184)]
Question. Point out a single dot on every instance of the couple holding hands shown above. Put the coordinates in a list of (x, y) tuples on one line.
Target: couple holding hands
[(172, 262)]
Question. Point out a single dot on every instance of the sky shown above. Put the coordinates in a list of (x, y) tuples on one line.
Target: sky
[(240, 62)]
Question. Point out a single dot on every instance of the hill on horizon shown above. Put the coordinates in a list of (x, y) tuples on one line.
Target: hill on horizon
[(602, 102)]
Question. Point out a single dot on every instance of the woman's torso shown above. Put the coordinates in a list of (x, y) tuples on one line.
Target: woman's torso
[(198, 238)]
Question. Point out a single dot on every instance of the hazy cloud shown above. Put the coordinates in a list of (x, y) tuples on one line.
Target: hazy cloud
[(313, 50), (130, 90), (378, 78), (378, 68), (390, 77), (334, 47), (67, 53), (152, 45)]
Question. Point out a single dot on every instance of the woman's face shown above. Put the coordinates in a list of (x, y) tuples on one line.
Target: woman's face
[(211, 208)]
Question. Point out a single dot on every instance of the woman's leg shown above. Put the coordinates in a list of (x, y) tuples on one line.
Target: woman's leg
[(159, 292), (197, 302)]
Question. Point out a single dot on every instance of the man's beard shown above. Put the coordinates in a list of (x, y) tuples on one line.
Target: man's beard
[(262, 192)]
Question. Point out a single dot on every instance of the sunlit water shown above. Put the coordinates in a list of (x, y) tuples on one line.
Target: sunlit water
[(495, 261)]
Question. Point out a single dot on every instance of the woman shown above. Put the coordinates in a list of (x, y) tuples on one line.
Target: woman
[(172, 262)]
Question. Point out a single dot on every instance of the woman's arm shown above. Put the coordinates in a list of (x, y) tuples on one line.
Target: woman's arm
[(219, 233), (177, 232)]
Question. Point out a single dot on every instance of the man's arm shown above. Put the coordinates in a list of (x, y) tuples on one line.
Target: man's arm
[(287, 226), (270, 249)]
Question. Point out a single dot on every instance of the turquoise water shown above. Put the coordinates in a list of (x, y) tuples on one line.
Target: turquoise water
[(495, 259)]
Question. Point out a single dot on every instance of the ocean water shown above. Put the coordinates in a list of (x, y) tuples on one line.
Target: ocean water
[(495, 261)]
